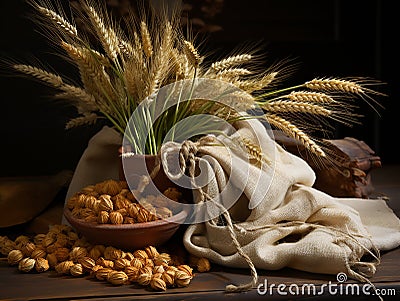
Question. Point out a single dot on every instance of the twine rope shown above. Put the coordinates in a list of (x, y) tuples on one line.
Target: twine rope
[(188, 153), (187, 161)]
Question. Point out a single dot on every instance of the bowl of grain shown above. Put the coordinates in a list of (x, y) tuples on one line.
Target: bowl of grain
[(107, 213)]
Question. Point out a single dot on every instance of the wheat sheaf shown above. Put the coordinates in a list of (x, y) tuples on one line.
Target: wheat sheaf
[(133, 58)]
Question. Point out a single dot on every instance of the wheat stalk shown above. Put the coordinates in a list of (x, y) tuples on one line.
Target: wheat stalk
[(133, 80), (59, 20), (126, 47), (266, 80), (230, 62), (156, 76), (90, 69), (106, 35), (334, 85), (99, 57), (255, 84), (294, 132), (43, 75), (191, 53), (177, 67), (232, 73), (310, 96), (146, 39), (295, 107), (254, 150), (79, 94), (83, 120), (163, 66)]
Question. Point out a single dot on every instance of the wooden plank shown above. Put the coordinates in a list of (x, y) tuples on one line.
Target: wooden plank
[(15, 285)]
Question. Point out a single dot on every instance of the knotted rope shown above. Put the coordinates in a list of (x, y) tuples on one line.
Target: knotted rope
[(187, 162)]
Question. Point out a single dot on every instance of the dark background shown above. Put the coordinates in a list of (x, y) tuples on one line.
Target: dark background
[(328, 38)]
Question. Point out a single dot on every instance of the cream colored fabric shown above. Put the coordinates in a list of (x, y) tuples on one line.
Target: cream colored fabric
[(329, 235), (100, 161)]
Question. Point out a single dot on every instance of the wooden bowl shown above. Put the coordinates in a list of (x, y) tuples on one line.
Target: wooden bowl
[(128, 236)]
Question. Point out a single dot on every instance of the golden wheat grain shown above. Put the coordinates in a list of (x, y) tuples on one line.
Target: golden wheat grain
[(167, 42), (93, 75), (126, 47), (131, 79), (81, 58), (246, 85), (310, 96), (99, 57), (83, 120), (176, 65), (191, 53), (267, 80), (106, 35), (146, 39), (137, 48), (165, 67), (334, 85), (294, 132), (232, 73), (156, 77), (78, 94), (296, 107), (43, 75), (253, 150), (188, 69), (59, 20), (230, 62), (255, 84)]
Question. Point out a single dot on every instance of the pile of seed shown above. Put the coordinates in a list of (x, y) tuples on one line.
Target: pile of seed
[(67, 253), (111, 202)]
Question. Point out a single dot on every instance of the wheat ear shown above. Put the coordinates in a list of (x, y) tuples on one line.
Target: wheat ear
[(231, 73), (310, 96), (59, 20), (177, 68), (78, 93), (191, 53), (146, 39), (296, 107), (253, 150), (230, 62), (93, 74), (334, 85), (107, 36), (294, 132), (255, 84), (83, 120), (82, 58), (126, 47), (43, 75)]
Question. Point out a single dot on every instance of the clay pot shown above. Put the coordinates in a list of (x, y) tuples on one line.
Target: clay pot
[(132, 169)]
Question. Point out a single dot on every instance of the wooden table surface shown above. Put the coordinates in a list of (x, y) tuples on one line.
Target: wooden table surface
[(210, 286)]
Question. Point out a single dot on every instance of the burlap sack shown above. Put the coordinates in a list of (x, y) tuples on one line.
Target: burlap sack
[(290, 223)]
